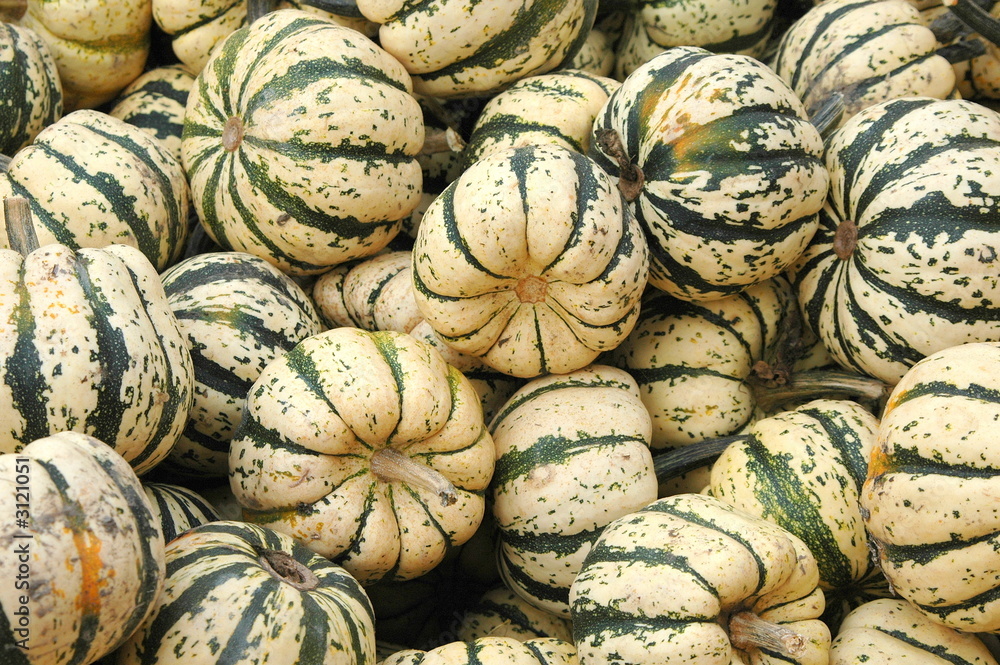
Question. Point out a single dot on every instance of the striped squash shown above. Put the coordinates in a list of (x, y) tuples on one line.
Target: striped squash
[(238, 593), (890, 630), (491, 651), (237, 313), (549, 109), (368, 447), (371, 294), (155, 102), (478, 47), (572, 454), (100, 46), (653, 26), (930, 498), (690, 578), (502, 613), (87, 563), (530, 261), (93, 180), (803, 470), (870, 51), (31, 95), (299, 140), (597, 55), (88, 343), (904, 263), (722, 169), (178, 509)]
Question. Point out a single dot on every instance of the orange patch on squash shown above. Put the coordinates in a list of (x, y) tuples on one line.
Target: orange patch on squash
[(88, 601)]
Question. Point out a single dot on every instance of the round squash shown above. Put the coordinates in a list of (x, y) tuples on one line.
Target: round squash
[(720, 165), (235, 592), (367, 447), (531, 262), (31, 95), (300, 142), (178, 509), (86, 565), (155, 102), (502, 613), (491, 651)]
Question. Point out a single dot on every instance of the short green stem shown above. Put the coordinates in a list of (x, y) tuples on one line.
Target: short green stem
[(821, 384), (684, 459), (976, 17)]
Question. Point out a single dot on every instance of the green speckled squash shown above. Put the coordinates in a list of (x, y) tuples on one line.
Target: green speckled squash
[(720, 165), (89, 558), (905, 261), (93, 180), (369, 448), (478, 47), (531, 262), (491, 651), (685, 577), (236, 593), (371, 294), (300, 142), (502, 613), (31, 95), (178, 508), (155, 102), (237, 313), (930, 497)]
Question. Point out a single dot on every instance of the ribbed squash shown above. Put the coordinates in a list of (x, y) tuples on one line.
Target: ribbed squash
[(100, 46), (369, 448), (178, 509), (870, 51), (502, 613), (93, 180), (88, 343), (300, 140), (654, 26), (930, 500), (904, 263), (83, 558), (237, 313), (692, 579), (572, 455), (31, 95), (491, 651), (720, 165), (597, 55), (890, 630), (155, 102), (235, 593), (478, 47), (530, 261), (550, 109)]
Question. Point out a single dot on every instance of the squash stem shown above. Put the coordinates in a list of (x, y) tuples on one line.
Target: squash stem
[(442, 140), (285, 568), (684, 459), (5, 163), (828, 115), (976, 17), (748, 631), (390, 465), (962, 51), (947, 27), (11, 11), (630, 176), (21, 234), (257, 9), (845, 239), (820, 384)]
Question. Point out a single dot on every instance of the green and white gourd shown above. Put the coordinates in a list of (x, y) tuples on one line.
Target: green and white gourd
[(155, 102), (93, 180), (904, 263), (371, 294), (92, 547), (720, 165), (178, 509), (870, 51), (30, 90), (235, 592), (530, 261), (596, 56), (491, 651), (572, 455), (284, 159), (237, 313), (479, 47), (653, 26), (502, 613), (550, 109)]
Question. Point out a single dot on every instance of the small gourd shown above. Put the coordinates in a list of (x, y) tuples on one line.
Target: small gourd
[(31, 95)]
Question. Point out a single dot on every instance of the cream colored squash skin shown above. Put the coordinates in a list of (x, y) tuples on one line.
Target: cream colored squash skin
[(100, 46), (322, 424), (491, 651), (155, 103), (890, 630), (930, 501), (31, 95), (662, 586), (502, 613), (530, 261), (95, 552)]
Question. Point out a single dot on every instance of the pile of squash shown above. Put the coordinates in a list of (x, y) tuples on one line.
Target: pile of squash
[(568, 332)]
